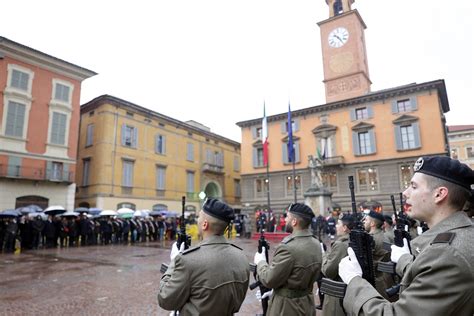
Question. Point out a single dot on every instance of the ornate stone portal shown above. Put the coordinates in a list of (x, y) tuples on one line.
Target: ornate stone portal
[(318, 197)]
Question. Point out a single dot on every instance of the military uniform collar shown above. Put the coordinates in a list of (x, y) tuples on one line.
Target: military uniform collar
[(301, 233), (214, 240), (456, 220)]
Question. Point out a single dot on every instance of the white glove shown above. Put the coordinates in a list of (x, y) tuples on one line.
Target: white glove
[(175, 251), (259, 256), (349, 267), (260, 297), (419, 230), (322, 248), (397, 252)]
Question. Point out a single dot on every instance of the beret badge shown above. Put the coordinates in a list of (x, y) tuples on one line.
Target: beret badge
[(418, 164)]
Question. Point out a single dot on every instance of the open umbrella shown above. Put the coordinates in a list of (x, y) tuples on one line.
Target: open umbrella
[(125, 210), (9, 213), (108, 213), (36, 214), (95, 210), (139, 214), (29, 209), (81, 210), (55, 210), (155, 213), (70, 214)]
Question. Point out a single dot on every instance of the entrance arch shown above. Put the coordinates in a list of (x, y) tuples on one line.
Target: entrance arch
[(213, 190), (31, 199)]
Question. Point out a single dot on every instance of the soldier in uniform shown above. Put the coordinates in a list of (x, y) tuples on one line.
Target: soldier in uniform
[(332, 305), (388, 233), (373, 223), (439, 278), (295, 267), (212, 278)]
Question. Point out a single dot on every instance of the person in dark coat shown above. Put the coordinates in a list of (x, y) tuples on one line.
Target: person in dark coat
[(63, 232), (37, 227), (83, 225), (11, 235), (3, 228), (25, 233), (50, 232)]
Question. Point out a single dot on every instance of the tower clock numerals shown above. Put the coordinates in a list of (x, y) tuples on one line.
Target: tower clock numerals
[(338, 37)]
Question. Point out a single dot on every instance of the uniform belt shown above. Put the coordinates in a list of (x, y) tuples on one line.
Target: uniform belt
[(289, 293)]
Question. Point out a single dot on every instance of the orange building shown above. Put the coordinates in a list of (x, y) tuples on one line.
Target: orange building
[(375, 136), (39, 127)]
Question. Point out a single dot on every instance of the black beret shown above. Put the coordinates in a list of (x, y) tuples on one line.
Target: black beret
[(346, 218), (388, 219), (302, 210), (447, 169), (218, 209), (376, 215)]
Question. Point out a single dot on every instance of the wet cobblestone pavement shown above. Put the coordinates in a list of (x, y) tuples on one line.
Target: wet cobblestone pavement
[(93, 280)]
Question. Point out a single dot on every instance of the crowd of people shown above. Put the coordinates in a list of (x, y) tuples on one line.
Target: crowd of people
[(83, 230)]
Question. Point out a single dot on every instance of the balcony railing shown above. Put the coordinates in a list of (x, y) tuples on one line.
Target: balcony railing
[(209, 167), (38, 174), (333, 161)]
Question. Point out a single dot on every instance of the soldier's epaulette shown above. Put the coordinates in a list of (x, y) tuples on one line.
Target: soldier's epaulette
[(444, 238), (191, 250), (237, 247), (287, 239)]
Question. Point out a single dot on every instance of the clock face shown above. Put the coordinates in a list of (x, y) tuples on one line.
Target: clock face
[(338, 37)]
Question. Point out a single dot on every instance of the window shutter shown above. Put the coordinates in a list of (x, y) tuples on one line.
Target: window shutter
[(49, 169), (90, 132), (254, 157), (135, 137), (355, 143), (394, 107), (416, 134), (156, 143), (124, 128), (254, 132), (14, 166), (283, 127), (353, 114), (398, 137), (284, 152), (297, 151), (65, 172), (370, 111), (297, 125), (413, 103), (373, 146), (62, 129)]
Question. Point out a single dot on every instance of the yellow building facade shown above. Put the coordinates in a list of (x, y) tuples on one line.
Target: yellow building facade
[(461, 143), (130, 156)]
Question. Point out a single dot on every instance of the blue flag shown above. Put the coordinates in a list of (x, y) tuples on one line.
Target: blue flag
[(291, 149)]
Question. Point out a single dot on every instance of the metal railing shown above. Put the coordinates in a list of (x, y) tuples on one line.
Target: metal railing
[(35, 173)]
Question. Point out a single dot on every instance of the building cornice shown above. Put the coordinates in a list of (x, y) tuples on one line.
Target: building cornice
[(32, 56), (370, 97), (108, 99)]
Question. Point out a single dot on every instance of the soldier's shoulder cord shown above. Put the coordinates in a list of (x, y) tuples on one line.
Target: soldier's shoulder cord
[(235, 246)]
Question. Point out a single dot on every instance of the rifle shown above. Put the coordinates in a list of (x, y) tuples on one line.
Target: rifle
[(262, 242), (363, 245), (399, 232), (182, 236)]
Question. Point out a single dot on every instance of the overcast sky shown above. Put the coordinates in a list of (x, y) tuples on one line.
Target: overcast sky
[(216, 61)]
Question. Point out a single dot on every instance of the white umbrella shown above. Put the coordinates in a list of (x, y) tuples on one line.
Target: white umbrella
[(139, 214), (54, 210), (108, 213), (70, 214), (125, 210)]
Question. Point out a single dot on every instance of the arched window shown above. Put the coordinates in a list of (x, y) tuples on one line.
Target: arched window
[(32, 199), (127, 205), (160, 207)]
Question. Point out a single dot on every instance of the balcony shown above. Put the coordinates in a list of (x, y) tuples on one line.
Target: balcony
[(333, 161), (36, 174), (212, 168)]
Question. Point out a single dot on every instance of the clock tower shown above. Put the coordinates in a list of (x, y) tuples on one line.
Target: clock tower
[(346, 72)]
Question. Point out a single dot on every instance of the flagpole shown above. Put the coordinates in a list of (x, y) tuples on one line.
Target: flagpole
[(294, 179), (268, 188)]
